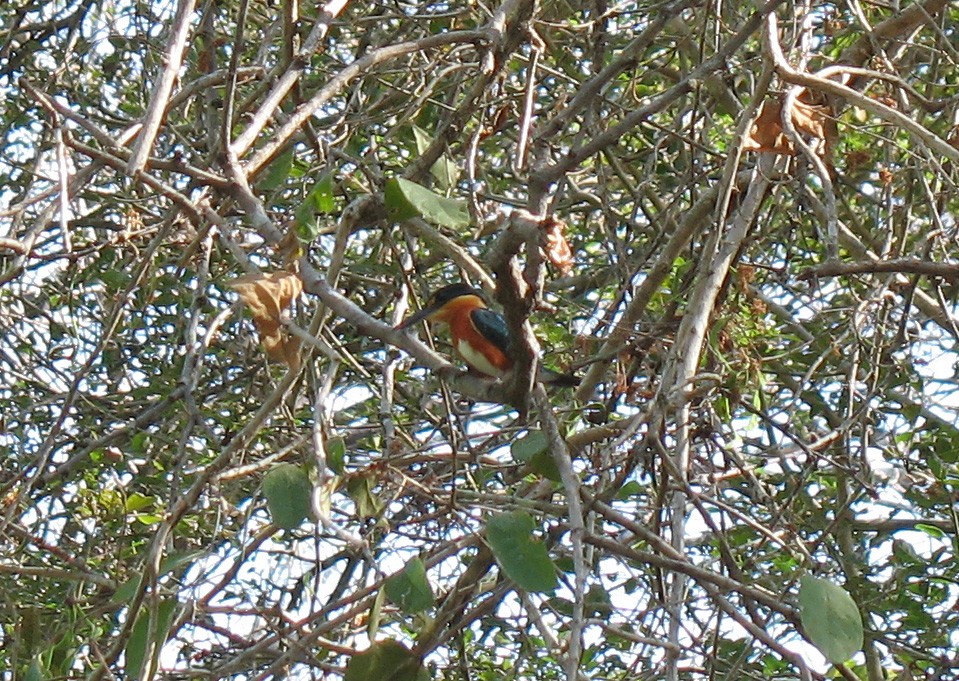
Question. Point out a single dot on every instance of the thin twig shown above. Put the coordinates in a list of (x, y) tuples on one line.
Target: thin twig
[(163, 87)]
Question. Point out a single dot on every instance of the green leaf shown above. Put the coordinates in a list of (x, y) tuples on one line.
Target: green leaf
[(319, 200), (830, 617), (34, 671), (360, 489), (544, 464), (386, 661), (322, 194), (288, 493), (521, 556), (422, 138), (336, 454), (148, 518), (597, 602), (931, 530), (533, 449), (444, 171), (138, 502), (405, 199), (528, 446), (410, 589), (278, 171), (630, 489), (376, 615), (139, 636)]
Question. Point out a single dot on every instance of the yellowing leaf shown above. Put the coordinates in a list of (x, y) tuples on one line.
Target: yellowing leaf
[(267, 296)]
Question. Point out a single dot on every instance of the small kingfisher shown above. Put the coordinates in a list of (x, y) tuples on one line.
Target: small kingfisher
[(480, 335)]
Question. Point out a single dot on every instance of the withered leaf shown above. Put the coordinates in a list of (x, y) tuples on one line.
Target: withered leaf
[(767, 132), (267, 296), (813, 120), (555, 245)]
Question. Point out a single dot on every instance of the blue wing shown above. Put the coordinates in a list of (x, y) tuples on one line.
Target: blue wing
[(492, 326)]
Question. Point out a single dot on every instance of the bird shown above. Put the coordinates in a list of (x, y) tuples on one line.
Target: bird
[(480, 335)]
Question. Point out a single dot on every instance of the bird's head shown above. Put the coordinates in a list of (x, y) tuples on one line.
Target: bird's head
[(444, 302)]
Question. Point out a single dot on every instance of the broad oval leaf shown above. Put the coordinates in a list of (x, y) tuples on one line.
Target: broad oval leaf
[(521, 556), (534, 450), (830, 617), (288, 493), (405, 199), (386, 661), (528, 446), (410, 589)]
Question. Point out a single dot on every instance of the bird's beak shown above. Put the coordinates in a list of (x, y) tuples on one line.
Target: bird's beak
[(418, 317)]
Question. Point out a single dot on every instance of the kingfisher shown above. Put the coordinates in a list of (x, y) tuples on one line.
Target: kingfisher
[(480, 335)]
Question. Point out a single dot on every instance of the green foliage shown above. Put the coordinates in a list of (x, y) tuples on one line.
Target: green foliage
[(777, 415), (405, 199), (533, 449), (319, 201), (830, 618), (289, 495), (523, 557), (149, 633), (410, 589), (386, 661)]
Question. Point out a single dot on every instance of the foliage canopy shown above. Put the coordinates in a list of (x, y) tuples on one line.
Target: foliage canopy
[(736, 222)]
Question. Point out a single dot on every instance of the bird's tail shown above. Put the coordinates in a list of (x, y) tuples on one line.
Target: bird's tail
[(550, 377)]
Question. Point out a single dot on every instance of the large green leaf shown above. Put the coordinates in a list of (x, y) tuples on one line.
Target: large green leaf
[(521, 556), (410, 589), (830, 617), (288, 493), (405, 200), (533, 449), (140, 639), (386, 661)]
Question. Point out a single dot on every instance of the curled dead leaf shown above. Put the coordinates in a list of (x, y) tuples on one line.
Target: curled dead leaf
[(267, 296), (813, 120), (767, 131), (555, 245)]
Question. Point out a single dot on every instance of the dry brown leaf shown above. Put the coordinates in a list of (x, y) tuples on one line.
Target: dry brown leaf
[(767, 132), (555, 245), (267, 296), (814, 120)]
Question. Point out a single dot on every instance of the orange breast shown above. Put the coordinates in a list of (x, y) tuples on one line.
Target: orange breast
[(472, 346)]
